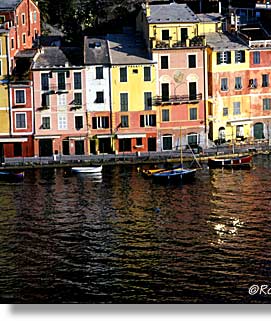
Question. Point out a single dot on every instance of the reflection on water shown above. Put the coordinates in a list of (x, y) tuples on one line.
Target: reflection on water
[(119, 238)]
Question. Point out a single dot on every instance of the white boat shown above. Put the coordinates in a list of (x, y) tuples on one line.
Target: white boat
[(88, 169)]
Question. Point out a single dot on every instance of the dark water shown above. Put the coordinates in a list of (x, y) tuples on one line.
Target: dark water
[(122, 239)]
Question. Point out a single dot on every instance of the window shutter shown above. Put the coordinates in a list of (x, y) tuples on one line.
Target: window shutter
[(94, 123), (142, 123)]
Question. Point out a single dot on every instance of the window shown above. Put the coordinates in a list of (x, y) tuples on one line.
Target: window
[(123, 74), (135, 71), (23, 18), (45, 81), (77, 82), (125, 145), (12, 43), (45, 122), (240, 56), (147, 120), (192, 61), (238, 83), (224, 84), (256, 57), (239, 131), (35, 16), (192, 139), (124, 121), (20, 97), (139, 141), (192, 90), (77, 99), (266, 103), (193, 113), (100, 122), (99, 97), (61, 100), (99, 72), (265, 80), (165, 92), (236, 108), (147, 73), (165, 34), (78, 122), (45, 100), (124, 102), (23, 39), (62, 122), (20, 120), (225, 111), (223, 57), (252, 83), (164, 62), (167, 142), (61, 81), (148, 101), (165, 115)]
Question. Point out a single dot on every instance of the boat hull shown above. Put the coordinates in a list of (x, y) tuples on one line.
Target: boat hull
[(11, 176), (176, 175), (235, 163), (91, 169)]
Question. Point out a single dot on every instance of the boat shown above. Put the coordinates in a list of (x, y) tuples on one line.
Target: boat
[(176, 175), (238, 162), (88, 169), (11, 175), (150, 172)]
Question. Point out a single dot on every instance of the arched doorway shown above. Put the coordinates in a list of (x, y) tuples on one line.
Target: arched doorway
[(258, 131)]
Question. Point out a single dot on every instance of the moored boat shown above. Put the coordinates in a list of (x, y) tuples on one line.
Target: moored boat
[(231, 162), (88, 169), (11, 175), (177, 175), (150, 172)]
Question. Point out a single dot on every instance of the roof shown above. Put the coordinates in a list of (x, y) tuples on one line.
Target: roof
[(125, 49), (6, 5), (26, 53), (209, 17), (219, 41), (55, 57), (96, 51), (172, 12)]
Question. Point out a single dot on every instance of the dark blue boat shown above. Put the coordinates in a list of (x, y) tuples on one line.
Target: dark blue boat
[(11, 175), (175, 175)]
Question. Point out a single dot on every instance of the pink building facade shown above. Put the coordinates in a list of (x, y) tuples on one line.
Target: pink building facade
[(60, 106)]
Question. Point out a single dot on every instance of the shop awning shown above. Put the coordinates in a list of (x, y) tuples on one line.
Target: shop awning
[(122, 136)]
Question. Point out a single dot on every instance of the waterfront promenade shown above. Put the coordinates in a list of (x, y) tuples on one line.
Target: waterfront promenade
[(188, 155)]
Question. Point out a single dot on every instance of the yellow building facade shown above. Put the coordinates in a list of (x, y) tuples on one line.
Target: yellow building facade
[(4, 100)]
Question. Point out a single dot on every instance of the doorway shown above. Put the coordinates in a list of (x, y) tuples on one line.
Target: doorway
[(46, 147)]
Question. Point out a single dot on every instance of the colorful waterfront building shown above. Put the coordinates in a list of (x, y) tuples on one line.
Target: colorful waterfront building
[(171, 34), (22, 19), (229, 96), (133, 85), (98, 94), (60, 104)]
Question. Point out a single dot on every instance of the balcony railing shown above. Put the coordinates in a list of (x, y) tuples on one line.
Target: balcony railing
[(55, 88), (197, 41), (176, 99)]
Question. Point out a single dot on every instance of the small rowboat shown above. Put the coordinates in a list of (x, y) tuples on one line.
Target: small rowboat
[(11, 176), (88, 169), (235, 162)]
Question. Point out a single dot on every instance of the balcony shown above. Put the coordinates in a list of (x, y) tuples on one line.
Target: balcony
[(53, 89), (176, 99), (197, 41)]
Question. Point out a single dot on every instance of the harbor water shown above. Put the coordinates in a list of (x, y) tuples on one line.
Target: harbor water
[(120, 238)]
